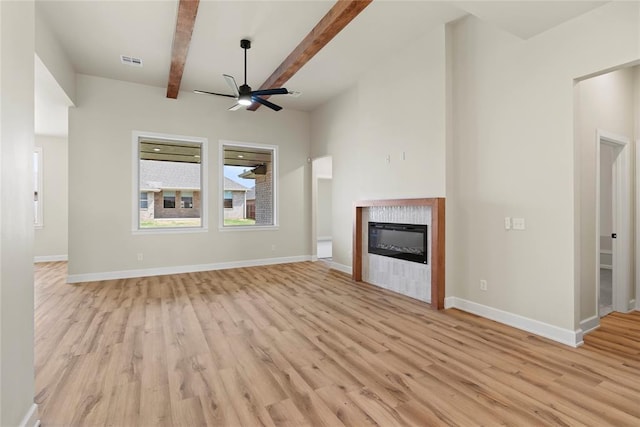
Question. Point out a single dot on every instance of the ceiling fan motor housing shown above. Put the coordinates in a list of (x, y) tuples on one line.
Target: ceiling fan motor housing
[(245, 95)]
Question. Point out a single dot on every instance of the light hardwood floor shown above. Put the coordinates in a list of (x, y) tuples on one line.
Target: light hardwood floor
[(300, 345)]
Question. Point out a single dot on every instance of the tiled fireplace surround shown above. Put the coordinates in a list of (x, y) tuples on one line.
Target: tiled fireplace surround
[(420, 281)]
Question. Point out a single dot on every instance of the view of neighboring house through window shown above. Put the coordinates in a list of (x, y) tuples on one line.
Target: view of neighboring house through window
[(170, 183), (248, 184), (37, 187)]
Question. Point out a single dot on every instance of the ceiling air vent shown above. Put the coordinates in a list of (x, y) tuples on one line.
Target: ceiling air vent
[(130, 60)]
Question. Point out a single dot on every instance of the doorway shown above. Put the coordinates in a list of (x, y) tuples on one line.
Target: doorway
[(324, 213), (612, 223), (322, 207)]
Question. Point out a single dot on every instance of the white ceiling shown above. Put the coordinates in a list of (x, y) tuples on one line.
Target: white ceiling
[(530, 18), (95, 33)]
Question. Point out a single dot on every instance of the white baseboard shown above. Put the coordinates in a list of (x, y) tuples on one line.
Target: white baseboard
[(50, 258), (590, 324), (341, 267), (449, 302), (161, 271), (31, 417), (631, 306), (314, 258), (555, 333)]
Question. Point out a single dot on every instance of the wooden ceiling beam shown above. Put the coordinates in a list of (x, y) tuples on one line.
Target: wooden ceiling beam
[(340, 15), (187, 11)]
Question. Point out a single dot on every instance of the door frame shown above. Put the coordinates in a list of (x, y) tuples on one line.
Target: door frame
[(621, 220), (637, 228)]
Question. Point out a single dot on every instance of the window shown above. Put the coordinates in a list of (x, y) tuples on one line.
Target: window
[(170, 170), (228, 199), (169, 199), (37, 187), (186, 200), (144, 201), (248, 185)]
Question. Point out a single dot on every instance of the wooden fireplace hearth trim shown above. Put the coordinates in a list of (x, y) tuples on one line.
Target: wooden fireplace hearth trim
[(437, 250)]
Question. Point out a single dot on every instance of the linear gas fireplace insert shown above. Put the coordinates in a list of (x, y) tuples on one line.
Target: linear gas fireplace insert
[(403, 241)]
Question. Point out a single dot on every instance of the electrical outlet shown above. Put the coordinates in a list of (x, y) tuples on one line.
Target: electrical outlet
[(273, 247), (507, 223), (518, 224), (483, 285), (140, 256)]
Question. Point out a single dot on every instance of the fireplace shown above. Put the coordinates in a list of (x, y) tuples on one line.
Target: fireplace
[(403, 241)]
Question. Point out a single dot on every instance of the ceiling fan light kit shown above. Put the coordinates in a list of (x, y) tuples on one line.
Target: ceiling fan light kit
[(243, 94)]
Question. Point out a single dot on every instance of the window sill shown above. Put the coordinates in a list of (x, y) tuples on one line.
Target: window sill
[(248, 228), (169, 230)]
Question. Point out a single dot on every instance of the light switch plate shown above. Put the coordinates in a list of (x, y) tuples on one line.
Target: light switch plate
[(507, 223), (518, 224)]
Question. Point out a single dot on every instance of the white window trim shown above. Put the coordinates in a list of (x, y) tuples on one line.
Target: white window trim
[(204, 160), (39, 222), (274, 161)]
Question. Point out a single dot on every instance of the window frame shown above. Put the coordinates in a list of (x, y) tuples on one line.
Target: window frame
[(182, 197), (165, 196), (225, 198), (38, 222), (135, 181), (275, 173)]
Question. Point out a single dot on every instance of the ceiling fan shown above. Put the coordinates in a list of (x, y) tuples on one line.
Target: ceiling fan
[(243, 94)]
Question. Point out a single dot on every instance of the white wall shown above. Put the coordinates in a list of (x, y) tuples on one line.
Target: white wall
[(51, 239), (100, 177), (16, 210), (374, 120), (514, 156), (54, 57), (605, 102)]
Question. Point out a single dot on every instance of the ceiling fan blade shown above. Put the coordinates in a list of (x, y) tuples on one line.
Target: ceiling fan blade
[(204, 92), (232, 84), (266, 103), (235, 107), (279, 91)]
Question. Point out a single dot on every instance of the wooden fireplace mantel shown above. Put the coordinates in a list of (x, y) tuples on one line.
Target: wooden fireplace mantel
[(437, 251)]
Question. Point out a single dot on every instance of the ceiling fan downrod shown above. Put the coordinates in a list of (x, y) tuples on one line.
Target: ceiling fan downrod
[(245, 44)]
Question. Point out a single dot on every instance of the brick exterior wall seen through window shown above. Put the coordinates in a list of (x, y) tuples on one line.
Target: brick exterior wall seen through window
[(264, 197), (148, 212), (237, 211), (161, 212)]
